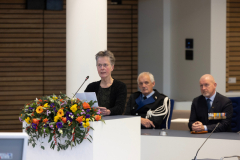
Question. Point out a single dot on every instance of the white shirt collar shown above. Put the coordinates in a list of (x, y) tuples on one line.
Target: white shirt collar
[(150, 94), (212, 98)]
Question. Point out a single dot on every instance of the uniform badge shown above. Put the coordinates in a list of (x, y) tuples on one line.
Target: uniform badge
[(155, 97)]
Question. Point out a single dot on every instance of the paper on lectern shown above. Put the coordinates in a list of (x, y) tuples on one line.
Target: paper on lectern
[(87, 97)]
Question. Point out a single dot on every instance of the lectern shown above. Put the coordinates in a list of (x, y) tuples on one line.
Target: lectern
[(117, 139)]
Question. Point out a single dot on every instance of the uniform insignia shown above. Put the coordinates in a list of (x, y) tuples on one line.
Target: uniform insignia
[(216, 116), (133, 108), (136, 113), (155, 97)]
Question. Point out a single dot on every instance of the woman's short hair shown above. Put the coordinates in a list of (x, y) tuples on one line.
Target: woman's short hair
[(146, 73), (106, 54)]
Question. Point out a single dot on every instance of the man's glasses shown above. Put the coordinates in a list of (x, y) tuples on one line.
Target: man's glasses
[(205, 85)]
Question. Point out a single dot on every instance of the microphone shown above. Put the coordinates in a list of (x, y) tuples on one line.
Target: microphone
[(81, 86), (195, 158)]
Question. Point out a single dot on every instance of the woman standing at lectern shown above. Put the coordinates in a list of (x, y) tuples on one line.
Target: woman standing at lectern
[(111, 93)]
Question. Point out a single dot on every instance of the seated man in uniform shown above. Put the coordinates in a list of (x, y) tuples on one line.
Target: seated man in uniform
[(151, 105), (210, 108)]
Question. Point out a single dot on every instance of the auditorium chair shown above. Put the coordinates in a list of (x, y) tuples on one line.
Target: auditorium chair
[(235, 124), (170, 116)]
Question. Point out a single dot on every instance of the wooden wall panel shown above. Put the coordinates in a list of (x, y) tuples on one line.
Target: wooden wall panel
[(123, 41), (32, 57), (33, 53), (233, 44)]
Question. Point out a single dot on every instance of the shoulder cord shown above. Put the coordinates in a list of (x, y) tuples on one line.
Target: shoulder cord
[(161, 111)]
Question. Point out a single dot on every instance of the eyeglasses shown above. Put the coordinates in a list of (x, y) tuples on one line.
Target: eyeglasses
[(102, 65), (205, 85)]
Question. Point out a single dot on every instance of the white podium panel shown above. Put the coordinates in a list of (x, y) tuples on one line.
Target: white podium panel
[(117, 139)]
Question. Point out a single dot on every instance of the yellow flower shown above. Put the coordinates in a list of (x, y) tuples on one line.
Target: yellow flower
[(87, 124), (54, 98), (56, 118), (45, 105), (60, 113), (28, 120), (39, 109), (87, 120), (84, 125), (74, 108), (83, 119)]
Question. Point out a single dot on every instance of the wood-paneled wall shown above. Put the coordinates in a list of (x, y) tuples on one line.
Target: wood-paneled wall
[(123, 41), (233, 44), (33, 53), (32, 57)]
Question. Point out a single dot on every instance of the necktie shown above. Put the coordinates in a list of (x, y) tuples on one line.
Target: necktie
[(144, 97), (209, 104)]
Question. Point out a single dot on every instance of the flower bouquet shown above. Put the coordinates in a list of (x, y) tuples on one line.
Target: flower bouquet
[(59, 117)]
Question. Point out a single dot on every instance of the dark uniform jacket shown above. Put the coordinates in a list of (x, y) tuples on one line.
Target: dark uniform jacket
[(136, 107), (199, 112)]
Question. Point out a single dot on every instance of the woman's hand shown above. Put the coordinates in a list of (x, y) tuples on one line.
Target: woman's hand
[(104, 111)]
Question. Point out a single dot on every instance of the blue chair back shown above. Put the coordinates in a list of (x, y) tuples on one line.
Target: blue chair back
[(170, 116), (235, 124)]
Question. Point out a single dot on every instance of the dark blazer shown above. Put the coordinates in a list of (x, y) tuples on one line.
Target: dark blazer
[(117, 96), (199, 112), (132, 106)]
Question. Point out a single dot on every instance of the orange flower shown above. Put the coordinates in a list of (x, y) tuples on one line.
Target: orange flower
[(40, 100), (61, 100), (79, 119), (35, 121), (64, 119), (86, 105), (45, 120), (97, 117)]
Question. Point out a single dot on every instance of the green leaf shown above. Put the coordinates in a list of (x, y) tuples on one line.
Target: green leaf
[(89, 140), (50, 138)]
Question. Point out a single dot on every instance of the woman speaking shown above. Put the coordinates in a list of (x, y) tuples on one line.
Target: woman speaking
[(111, 93)]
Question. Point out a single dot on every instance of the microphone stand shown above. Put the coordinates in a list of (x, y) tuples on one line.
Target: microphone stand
[(81, 86), (195, 158)]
